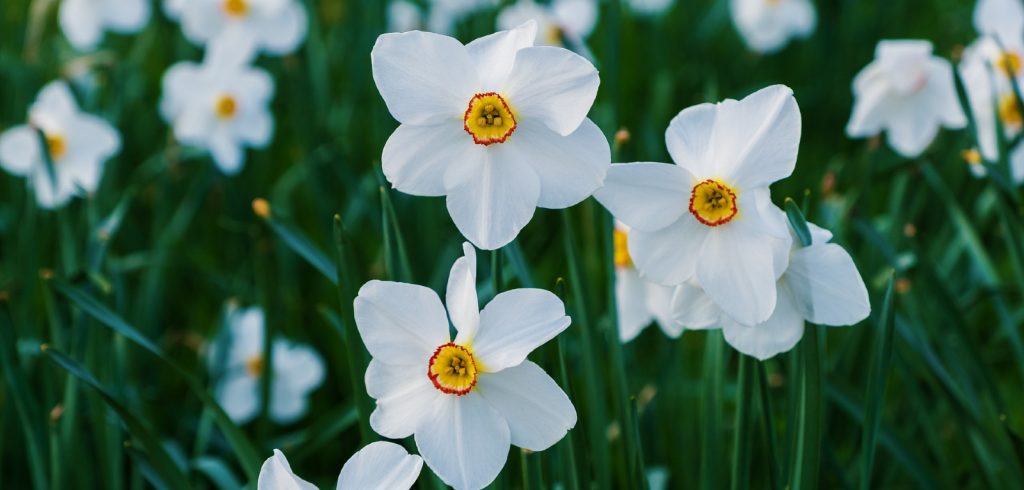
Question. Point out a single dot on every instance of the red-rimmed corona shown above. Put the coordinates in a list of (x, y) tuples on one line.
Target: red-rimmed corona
[(713, 203), (453, 369), (489, 119)]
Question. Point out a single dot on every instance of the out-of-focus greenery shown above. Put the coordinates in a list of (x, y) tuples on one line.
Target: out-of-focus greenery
[(156, 252)]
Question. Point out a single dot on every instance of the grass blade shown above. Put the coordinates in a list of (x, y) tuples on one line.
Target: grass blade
[(297, 241), (741, 443), (807, 457), (881, 362)]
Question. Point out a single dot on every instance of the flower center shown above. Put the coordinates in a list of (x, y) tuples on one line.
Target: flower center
[(452, 369), (622, 258), (553, 35), (713, 203), (57, 146), (236, 8), (1009, 62), (1009, 112), (489, 119), (972, 156), (225, 107), (255, 366)]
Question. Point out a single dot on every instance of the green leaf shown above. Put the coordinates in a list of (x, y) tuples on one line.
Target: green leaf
[(217, 471), (879, 374), (807, 457), (798, 222), (26, 406), (299, 243)]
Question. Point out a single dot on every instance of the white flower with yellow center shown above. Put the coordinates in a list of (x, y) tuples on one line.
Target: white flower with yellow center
[(377, 466), (238, 364), (561, 23), (710, 216), (821, 285), (768, 25), (907, 92), (83, 21), (637, 300), (465, 400), (76, 143), (274, 27), (498, 126), (219, 105)]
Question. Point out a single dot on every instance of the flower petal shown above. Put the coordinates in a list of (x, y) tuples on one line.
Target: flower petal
[(405, 397), (416, 157), (659, 303), (424, 78), (736, 270), (755, 140), (56, 101), (466, 442), (646, 196), (826, 286), (276, 474), (81, 23), (380, 465), (93, 138), (494, 55), (125, 16), (239, 396), (570, 167), (20, 150), (461, 298), (226, 152), (668, 256), (693, 309), (780, 333), (538, 412), (552, 85), (283, 31), (400, 323), (516, 322), (630, 303)]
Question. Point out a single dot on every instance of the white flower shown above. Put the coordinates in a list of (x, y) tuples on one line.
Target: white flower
[(650, 7), (907, 92), (219, 105), (238, 364), (768, 25), (275, 27), (77, 143), (83, 21), (710, 216), (821, 286), (639, 301), (989, 73), (467, 399), (403, 16), (561, 23), (378, 466), (1003, 19), (498, 126)]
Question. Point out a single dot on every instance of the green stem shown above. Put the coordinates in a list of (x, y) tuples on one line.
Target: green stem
[(741, 427), (807, 459)]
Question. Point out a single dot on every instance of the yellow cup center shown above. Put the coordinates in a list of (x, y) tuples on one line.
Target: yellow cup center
[(453, 369), (619, 240), (489, 119), (713, 202), (236, 8), (225, 106), (255, 366), (1009, 63), (1009, 110), (57, 146)]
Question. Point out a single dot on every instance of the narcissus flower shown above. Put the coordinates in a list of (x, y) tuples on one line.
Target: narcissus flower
[(768, 25), (561, 23), (710, 216), (821, 286), (219, 105), (83, 21), (274, 27), (907, 92), (378, 466), (75, 142), (465, 400), (498, 126), (638, 301), (238, 363)]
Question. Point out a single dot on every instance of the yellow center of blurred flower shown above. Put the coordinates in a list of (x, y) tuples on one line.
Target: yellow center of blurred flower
[(57, 146), (255, 366), (225, 107), (236, 8), (452, 369), (1009, 110), (622, 258), (972, 156), (1009, 62), (489, 119), (773, 3), (553, 35), (713, 203)]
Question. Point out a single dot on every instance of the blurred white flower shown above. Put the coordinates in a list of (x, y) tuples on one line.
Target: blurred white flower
[(561, 23), (821, 286), (768, 25), (650, 7), (498, 126), (989, 73), (377, 466), (907, 92), (638, 301), (727, 236), (466, 400), (403, 16), (274, 27), (219, 105), (77, 143), (83, 21), (445, 14), (1002, 19), (238, 364)]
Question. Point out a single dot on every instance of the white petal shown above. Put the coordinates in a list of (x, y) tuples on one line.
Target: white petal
[(255, 127), (941, 91), (80, 173), (80, 20), (1001, 18), (659, 303), (693, 308), (570, 167), (405, 397), (466, 443), (380, 466), (689, 139), (245, 335), (576, 17), (494, 55), (736, 270), (461, 298), (1016, 164), (93, 138), (56, 101), (755, 140), (283, 31), (872, 105), (424, 78), (780, 333), (20, 150), (909, 134), (126, 16), (239, 396), (400, 323), (227, 153), (51, 194), (516, 322), (299, 365), (415, 157), (668, 256), (630, 303), (287, 402), (492, 196), (538, 412), (826, 285), (276, 474), (177, 83), (552, 85), (646, 196)]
